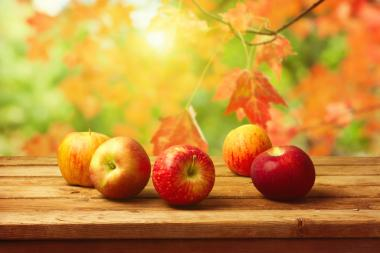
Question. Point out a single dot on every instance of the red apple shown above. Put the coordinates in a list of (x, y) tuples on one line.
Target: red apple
[(283, 173), (120, 168), (183, 175), (74, 156)]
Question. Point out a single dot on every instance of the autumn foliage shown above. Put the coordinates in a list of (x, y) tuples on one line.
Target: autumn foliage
[(250, 95), (314, 83)]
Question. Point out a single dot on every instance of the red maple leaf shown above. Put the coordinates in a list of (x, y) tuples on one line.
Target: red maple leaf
[(251, 96), (178, 130)]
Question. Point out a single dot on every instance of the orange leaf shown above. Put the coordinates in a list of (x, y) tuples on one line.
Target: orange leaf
[(251, 95), (38, 48), (39, 44), (279, 130), (246, 15), (338, 113), (266, 91), (178, 130), (242, 93), (47, 143), (273, 53), (257, 111), (227, 87), (40, 21), (239, 17)]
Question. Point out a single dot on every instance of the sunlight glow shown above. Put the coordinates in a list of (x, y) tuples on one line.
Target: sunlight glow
[(159, 40), (51, 8)]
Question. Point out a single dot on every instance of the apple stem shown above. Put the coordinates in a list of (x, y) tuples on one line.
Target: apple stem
[(111, 165), (190, 170), (89, 131), (276, 151)]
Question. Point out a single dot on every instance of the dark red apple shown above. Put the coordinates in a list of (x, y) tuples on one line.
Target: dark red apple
[(183, 175), (283, 173)]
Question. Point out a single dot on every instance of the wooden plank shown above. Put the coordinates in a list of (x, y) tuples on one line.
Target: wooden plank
[(219, 191), (27, 160), (347, 181), (225, 187), (30, 171), (223, 181), (347, 170), (195, 246), (154, 204), (328, 170), (346, 160), (329, 160), (321, 170), (318, 160), (190, 224)]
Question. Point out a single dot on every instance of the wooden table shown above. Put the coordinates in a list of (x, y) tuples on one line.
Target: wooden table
[(39, 212)]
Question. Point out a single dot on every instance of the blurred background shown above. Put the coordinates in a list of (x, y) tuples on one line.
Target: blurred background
[(117, 67)]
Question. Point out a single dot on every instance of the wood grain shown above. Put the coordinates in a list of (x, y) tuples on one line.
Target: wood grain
[(137, 204), (246, 191), (220, 181), (190, 224), (36, 203), (195, 246), (317, 160), (221, 170), (27, 160)]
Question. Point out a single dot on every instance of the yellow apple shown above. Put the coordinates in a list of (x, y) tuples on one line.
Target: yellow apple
[(242, 145), (74, 156)]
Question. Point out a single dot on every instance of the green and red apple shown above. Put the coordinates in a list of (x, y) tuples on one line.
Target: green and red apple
[(120, 168)]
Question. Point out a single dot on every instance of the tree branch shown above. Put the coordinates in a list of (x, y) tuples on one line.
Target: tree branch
[(304, 13), (275, 36), (208, 14), (263, 31)]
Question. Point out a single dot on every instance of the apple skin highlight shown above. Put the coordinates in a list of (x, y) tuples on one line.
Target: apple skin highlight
[(183, 175), (283, 173)]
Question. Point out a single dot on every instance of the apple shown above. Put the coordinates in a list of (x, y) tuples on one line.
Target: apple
[(74, 156), (242, 145), (120, 168), (283, 173), (183, 175)]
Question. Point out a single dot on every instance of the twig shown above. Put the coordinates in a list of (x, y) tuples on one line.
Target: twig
[(263, 42), (291, 22), (245, 47), (263, 31), (200, 81), (213, 16), (295, 19)]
